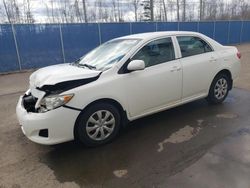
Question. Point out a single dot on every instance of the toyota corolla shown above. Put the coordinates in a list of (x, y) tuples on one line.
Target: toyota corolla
[(122, 80)]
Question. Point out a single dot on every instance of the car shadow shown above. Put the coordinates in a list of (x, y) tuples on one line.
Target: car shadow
[(134, 157)]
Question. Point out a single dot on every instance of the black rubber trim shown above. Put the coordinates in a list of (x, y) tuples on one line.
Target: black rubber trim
[(123, 69), (72, 108)]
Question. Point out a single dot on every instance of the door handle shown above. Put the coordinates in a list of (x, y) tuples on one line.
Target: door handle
[(175, 68), (212, 59), (178, 69)]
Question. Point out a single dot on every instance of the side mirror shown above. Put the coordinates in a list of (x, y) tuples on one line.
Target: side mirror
[(135, 65)]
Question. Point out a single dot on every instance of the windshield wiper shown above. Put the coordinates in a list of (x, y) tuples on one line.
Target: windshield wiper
[(87, 65), (76, 62)]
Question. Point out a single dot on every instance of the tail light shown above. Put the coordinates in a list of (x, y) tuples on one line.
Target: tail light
[(239, 55)]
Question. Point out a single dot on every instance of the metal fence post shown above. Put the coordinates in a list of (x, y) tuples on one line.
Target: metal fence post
[(130, 28), (62, 44), (198, 26), (214, 30), (228, 32), (99, 33), (156, 26), (241, 30), (17, 50), (178, 25)]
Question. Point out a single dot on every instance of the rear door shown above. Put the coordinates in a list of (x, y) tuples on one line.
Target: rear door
[(198, 61)]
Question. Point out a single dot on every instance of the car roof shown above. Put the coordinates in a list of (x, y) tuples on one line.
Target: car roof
[(152, 35)]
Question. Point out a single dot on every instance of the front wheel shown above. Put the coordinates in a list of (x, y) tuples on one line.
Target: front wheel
[(98, 125), (219, 89)]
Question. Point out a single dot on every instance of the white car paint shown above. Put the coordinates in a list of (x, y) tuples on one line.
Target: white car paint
[(140, 93), (59, 73)]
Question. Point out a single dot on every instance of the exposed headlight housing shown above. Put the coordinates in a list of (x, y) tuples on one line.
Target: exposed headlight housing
[(54, 101)]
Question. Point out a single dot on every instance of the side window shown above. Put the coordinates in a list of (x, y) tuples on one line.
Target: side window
[(192, 46), (156, 52)]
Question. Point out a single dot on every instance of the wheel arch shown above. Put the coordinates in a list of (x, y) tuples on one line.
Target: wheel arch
[(121, 109), (229, 74)]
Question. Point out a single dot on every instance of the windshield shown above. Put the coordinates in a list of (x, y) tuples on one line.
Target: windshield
[(107, 54)]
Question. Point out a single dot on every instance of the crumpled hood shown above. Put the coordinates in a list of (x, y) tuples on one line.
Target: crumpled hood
[(59, 73)]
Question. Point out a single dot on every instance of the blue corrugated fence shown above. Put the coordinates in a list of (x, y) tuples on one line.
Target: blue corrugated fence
[(39, 45)]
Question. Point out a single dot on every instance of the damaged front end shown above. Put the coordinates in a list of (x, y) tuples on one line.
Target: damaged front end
[(48, 97), (29, 102)]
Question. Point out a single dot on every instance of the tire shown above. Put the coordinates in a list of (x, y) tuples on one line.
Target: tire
[(98, 124), (219, 89)]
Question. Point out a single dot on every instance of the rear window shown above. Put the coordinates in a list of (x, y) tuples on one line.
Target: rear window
[(191, 45)]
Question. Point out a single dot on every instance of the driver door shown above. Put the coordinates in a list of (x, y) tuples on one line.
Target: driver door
[(159, 84)]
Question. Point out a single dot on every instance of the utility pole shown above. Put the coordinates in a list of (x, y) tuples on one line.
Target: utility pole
[(152, 10)]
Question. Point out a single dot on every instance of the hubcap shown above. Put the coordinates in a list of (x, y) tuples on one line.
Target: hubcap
[(100, 125), (220, 89)]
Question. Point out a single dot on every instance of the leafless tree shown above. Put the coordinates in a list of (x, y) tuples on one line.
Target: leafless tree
[(178, 10), (92, 15), (84, 11), (2, 15), (135, 4), (12, 11), (233, 8), (211, 10), (152, 10), (184, 10), (77, 12), (148, 10), (63, 12), (99, 9), (201, 10), (17, 11), (191, 10), (165, 10), (7, 11), (48, 13), (119, 11), (114, 11), (171, 6), (52, 16), (244, 10), (29, 16)]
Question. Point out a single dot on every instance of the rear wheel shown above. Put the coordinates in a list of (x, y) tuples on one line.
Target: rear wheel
[(98, 125), (219, 89)]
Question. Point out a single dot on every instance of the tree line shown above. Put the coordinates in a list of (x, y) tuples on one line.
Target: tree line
[(84, 11)]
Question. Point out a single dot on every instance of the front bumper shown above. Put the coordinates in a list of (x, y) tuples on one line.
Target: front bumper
[(59, 123)]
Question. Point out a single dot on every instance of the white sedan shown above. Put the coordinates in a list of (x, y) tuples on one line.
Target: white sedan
[(122, 80)]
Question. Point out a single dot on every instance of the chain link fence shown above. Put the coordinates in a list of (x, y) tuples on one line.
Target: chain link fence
[(27, 46)]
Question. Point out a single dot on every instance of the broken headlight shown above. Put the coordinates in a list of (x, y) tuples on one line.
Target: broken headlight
[(54, 101)]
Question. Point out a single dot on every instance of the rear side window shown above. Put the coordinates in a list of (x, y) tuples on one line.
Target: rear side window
[(156, 52), (191, 45)]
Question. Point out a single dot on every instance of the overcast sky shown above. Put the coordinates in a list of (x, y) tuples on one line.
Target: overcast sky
[(39, 8)]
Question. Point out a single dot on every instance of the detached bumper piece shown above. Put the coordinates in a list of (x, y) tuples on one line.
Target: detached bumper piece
[(29, 102)]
